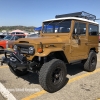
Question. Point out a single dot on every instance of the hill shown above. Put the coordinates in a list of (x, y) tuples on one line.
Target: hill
[(10, 28)]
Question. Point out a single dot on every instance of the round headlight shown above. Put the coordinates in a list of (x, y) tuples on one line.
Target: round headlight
[(15, 47), (31, 50)]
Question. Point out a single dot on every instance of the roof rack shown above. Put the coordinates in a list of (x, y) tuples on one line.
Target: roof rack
[(81, 14)]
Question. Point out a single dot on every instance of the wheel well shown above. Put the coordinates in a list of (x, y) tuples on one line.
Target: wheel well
[(60, 55), (1, 47), (53, 55)]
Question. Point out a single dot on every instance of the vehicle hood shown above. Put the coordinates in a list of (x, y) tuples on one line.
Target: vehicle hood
[(37, 40)]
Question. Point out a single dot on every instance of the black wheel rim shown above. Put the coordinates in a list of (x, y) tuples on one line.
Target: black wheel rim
[(93, 62), (57, 76)]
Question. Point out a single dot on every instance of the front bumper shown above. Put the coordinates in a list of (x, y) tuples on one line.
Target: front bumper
[(15, 60)]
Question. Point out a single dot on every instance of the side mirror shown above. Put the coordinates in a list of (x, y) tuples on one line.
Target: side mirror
[(76, 33), (75, 36)]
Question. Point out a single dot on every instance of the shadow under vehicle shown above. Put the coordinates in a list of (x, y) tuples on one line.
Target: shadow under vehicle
[(67, 39)]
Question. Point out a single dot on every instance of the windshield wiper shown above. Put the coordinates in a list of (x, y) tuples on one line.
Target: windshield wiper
[(59, 22), (50, 23)]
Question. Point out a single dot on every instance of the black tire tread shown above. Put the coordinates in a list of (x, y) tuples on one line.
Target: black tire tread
[(44, 71), (87, 62)]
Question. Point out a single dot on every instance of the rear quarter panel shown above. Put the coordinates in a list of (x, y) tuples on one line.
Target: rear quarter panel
[(93, 42)]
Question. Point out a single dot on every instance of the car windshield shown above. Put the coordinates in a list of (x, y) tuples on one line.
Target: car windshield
[(33, 35), (59, 26), (8, 37)]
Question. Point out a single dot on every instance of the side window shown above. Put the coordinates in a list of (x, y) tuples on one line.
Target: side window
[(16, 38), (93, 29), (21, 36), (13, 38), (19, 33), (80, 28)]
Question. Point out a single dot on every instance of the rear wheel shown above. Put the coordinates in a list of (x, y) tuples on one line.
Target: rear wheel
[(52, 76), (90, 63), (18, 72)]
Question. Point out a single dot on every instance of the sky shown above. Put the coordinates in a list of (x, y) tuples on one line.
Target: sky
[(34, 12)]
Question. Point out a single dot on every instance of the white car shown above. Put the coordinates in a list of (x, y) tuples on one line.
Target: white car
[(32, 35)]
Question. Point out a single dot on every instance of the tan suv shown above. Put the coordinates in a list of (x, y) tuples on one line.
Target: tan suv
[(67, 39)]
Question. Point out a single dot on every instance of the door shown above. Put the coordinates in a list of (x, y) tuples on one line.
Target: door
[(79, 40)]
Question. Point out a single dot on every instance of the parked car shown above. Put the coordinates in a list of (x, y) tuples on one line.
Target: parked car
[(32, 35), (7, 42), (2, 36)]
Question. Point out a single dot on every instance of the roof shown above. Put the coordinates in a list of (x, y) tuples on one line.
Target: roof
[(19, 31), (76, 18)]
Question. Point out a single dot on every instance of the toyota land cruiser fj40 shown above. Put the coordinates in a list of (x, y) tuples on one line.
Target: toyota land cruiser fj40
[(67, 39)]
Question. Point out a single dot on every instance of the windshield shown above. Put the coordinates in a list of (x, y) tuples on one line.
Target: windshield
[(60, 26), (8, 37), (33, 35)]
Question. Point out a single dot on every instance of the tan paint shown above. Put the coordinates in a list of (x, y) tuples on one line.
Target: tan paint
[(64, 42)]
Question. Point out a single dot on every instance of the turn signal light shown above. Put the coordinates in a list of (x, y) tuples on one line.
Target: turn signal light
[(39, 50)]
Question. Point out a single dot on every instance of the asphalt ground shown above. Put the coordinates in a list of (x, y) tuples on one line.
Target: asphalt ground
[(80, 85), (1, 97)]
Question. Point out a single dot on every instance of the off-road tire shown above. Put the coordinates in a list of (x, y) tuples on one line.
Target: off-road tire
[(90, 63), (18, 72), (47, 77)]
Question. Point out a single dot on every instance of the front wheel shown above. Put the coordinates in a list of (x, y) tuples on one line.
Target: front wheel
[(90, 63), (52, 76), (18, 72)]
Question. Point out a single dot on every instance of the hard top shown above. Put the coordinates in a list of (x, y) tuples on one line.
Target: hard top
[(82, 16), (78, 14)]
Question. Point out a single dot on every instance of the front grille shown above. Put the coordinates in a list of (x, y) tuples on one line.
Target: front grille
[(24, 50)]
